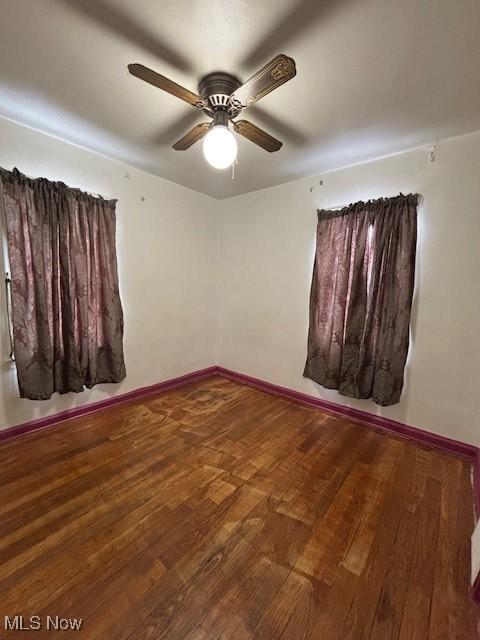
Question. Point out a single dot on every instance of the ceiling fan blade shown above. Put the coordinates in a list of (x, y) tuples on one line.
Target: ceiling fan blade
[(257, 135), (139, 71), (194, 135), (271, 76)]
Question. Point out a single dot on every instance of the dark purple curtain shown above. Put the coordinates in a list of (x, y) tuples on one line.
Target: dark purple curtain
[(361, 298), (67, 314)]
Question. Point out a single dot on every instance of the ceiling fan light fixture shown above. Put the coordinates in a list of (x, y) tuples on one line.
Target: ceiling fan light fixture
[(222, 97), (220, 147)]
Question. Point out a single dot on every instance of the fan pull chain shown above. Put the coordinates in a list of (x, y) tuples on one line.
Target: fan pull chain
[(235, 162)]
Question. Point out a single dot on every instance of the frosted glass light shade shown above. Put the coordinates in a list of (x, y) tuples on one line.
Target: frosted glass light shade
[(220, 147)]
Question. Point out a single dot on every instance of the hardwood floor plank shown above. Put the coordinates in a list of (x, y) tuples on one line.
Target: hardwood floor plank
[(452, 561), (416, 613)]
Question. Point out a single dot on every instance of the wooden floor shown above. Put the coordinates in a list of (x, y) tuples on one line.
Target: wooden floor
[(219, 512)]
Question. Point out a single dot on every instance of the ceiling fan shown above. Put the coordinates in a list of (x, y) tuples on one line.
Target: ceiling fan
[(222, 97)]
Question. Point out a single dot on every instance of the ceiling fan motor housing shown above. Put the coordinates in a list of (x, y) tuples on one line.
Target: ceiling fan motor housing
[(217, 88)]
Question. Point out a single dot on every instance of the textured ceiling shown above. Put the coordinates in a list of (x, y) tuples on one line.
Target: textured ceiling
[(373, 77)]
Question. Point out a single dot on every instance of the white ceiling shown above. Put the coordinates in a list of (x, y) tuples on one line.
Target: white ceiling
[(373, 77)]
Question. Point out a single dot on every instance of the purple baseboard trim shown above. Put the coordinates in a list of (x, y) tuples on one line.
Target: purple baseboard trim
[(379, 422), (130, 396)]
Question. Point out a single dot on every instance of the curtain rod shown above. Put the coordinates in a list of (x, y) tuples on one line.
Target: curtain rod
[(344, 206), (335, 208), (90, 193)]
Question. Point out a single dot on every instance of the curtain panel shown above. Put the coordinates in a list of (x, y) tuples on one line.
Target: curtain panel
[(66, 308), (361, 298)]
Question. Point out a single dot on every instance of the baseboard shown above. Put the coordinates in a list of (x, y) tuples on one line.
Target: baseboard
[(377, 422), (130, 396), (369, 419)]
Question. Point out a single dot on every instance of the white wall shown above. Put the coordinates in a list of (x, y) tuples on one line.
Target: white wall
[(267, 243), (167, 257), (205, 281)]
